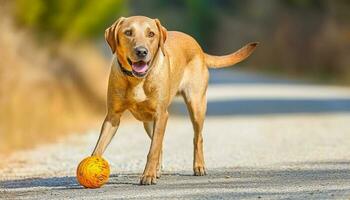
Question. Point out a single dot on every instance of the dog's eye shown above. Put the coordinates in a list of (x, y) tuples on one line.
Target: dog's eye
[(128, 33), (151, 34)]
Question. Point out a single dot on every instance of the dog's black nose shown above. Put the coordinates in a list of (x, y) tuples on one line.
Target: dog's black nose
[(141, 52)]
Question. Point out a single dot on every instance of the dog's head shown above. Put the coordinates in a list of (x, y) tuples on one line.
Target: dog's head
[(136, 41)]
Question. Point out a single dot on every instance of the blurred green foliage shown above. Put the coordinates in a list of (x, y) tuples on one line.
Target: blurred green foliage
[(201, 14), (69, 19), (304, 3), (296, 36)]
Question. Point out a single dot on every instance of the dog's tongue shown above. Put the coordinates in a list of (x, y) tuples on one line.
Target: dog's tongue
[(139, 66)]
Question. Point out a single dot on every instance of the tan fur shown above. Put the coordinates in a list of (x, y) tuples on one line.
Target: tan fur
[(178, 66)]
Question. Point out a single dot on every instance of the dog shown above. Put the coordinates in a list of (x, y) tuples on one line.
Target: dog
[(150, 67)]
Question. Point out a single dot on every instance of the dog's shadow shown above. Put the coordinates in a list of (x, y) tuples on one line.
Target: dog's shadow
[(70, 182), (66, 182)]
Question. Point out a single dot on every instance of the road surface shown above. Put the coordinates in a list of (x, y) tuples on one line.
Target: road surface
[(264, 138)]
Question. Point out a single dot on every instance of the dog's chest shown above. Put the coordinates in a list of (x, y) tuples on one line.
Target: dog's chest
[(137, 93), (140, 103)]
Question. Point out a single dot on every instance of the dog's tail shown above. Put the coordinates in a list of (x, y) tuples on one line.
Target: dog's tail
[(230, 59)]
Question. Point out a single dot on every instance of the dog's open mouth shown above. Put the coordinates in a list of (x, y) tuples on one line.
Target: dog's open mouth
[(139, 68)]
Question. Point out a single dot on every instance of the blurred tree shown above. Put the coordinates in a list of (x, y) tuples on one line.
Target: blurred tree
[(69, 19), (306, 4), (201, 20)]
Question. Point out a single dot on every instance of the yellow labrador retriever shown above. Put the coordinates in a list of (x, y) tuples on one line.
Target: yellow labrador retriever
[(150, 67)]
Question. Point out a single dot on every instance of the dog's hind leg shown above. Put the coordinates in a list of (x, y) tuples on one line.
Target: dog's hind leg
[(149, 130), (195, 99)]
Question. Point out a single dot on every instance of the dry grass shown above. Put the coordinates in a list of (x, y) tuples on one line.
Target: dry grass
[(46, 90)]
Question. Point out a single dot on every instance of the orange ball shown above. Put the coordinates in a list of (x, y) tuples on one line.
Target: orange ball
[(93, 172)]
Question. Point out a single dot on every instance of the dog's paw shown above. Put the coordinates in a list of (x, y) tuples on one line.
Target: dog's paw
[(199, 171), (148, 180), (159, 173)]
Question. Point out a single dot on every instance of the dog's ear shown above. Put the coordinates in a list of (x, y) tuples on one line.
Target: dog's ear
[(162, 35), (111, 34)]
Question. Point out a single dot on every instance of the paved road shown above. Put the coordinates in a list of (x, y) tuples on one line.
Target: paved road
[(264, 139)]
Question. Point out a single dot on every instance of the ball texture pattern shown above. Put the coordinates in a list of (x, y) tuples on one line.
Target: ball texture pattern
[(93, 172)]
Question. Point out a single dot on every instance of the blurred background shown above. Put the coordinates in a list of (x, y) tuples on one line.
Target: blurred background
[(54, 62)]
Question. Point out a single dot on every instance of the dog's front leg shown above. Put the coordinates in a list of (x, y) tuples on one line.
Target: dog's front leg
[(109, 128), (150, 173)]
